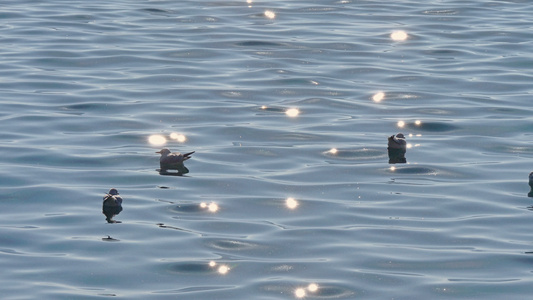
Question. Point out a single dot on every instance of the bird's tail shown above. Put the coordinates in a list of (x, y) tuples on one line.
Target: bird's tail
[(187, 155)]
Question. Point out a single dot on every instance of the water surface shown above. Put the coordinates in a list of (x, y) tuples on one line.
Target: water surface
[(268, 206)]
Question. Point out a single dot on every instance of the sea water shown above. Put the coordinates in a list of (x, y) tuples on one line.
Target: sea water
[(288, 105)]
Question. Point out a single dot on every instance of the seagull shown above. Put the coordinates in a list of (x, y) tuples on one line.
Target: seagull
[(170, 160), (173, 161), (397, 142), (112, 205)]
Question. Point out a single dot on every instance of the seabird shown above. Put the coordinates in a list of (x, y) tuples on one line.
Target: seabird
[(397, 148), (173, 161), (112, 205), (397, 142)]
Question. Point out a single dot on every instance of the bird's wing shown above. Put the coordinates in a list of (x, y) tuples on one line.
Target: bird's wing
[(187, 155), (172, 158)]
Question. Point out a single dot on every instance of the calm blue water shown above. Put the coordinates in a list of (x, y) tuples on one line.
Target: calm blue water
[(85, 84)]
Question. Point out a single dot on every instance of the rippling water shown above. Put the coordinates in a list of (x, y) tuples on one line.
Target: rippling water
[(288, 105)]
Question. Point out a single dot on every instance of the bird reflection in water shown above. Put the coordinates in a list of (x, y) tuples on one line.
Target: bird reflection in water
[(173, 161), (109, 239), (397, 146), (112, 205)]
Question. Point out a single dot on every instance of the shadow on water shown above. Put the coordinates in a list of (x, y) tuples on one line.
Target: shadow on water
[(109, 239), (413, 170), (188, 208), (259, 44), (431, 126), (355, 154), (201, 268), (192, 268)]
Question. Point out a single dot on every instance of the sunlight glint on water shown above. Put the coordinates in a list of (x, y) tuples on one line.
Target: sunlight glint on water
[(291, 192)]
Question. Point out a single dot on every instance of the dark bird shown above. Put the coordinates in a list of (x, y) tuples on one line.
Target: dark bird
[(397, 142), (112, 205), (397, 146), (173, 161)]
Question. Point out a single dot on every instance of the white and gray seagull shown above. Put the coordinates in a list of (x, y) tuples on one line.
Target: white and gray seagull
[(173, 160)]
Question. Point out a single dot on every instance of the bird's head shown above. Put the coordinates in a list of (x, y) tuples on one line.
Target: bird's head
[(113, 192), (164, 151)]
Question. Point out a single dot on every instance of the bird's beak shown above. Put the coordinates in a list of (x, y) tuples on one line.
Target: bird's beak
[(158, 152)]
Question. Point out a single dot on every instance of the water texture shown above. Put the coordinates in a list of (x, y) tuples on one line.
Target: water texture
[(288, 105)]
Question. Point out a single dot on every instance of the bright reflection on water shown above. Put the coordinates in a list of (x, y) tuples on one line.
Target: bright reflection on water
[(178, 137), (400, 124), (378, 97), (222, 269), (399, 35), (333, 151), (212, 207), (292, 112), (313, 287), (299, 293), (291, 203), (157, 140), (270, 14)]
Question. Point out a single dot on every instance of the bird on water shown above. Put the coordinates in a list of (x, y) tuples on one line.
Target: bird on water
[(173, 160), (397, 146), (112, 205)]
